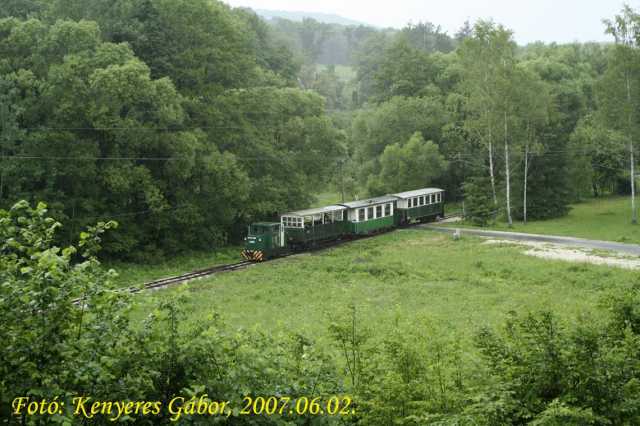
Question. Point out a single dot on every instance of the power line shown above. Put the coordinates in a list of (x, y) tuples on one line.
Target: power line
[(317, 157)]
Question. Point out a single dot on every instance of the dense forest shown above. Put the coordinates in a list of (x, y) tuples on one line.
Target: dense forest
[(186, 120), (153, 127)]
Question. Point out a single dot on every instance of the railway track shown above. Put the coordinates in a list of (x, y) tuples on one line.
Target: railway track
[(166, 282), (181, 279)]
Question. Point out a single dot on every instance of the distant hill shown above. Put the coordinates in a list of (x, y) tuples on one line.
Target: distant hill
[(326, 18)]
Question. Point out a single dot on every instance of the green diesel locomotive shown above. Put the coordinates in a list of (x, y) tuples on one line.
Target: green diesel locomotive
[(303, 229)]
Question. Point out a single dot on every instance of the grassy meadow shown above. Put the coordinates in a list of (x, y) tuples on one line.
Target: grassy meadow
[(607, 218), (602, 218), (135, 274), (406, 275)]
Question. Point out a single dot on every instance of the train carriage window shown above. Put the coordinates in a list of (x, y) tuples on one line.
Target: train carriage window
[(387, 209), (378, 211), (360, 215), (410, 202), (369, 213), (422, 201), (292, 222)]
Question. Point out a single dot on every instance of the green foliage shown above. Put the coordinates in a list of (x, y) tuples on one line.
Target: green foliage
[(550, 375), (428, 37), (394, 122), (55, 348), (174, 117), (479, 208), (328, 84), (404, 71), (44, 332), (414, 164), (21, 8)]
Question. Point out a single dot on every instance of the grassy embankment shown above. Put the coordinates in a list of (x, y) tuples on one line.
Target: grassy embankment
[(601, 219), (406, 275)]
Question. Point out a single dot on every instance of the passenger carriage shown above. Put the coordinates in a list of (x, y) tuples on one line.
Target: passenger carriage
[(371, 215), (420, 205), (305, 228)]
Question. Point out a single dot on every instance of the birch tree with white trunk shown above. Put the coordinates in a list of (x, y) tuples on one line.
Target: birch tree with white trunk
[(619, 89)]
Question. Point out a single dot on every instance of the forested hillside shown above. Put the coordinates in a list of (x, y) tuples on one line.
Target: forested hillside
[(186, 120), (180, 119), (518, 132)]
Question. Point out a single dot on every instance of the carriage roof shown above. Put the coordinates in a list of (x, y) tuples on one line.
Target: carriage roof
[(370, 202), (417, 193), (316, 211)]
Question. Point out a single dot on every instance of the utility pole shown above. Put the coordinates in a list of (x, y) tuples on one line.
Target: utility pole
[(341, 179), (464, 178)]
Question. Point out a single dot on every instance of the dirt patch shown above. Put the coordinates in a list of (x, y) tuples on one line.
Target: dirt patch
[(453, 219), (559, 252)]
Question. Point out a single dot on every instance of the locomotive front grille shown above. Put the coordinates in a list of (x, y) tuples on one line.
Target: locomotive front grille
[(253, 255)]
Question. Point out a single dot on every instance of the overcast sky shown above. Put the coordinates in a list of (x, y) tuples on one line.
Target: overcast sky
[(531, 20)]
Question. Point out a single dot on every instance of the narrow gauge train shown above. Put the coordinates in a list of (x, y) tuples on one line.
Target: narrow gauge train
[(300, 230)]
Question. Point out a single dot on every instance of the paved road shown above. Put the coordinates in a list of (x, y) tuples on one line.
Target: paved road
[(633, 249)]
